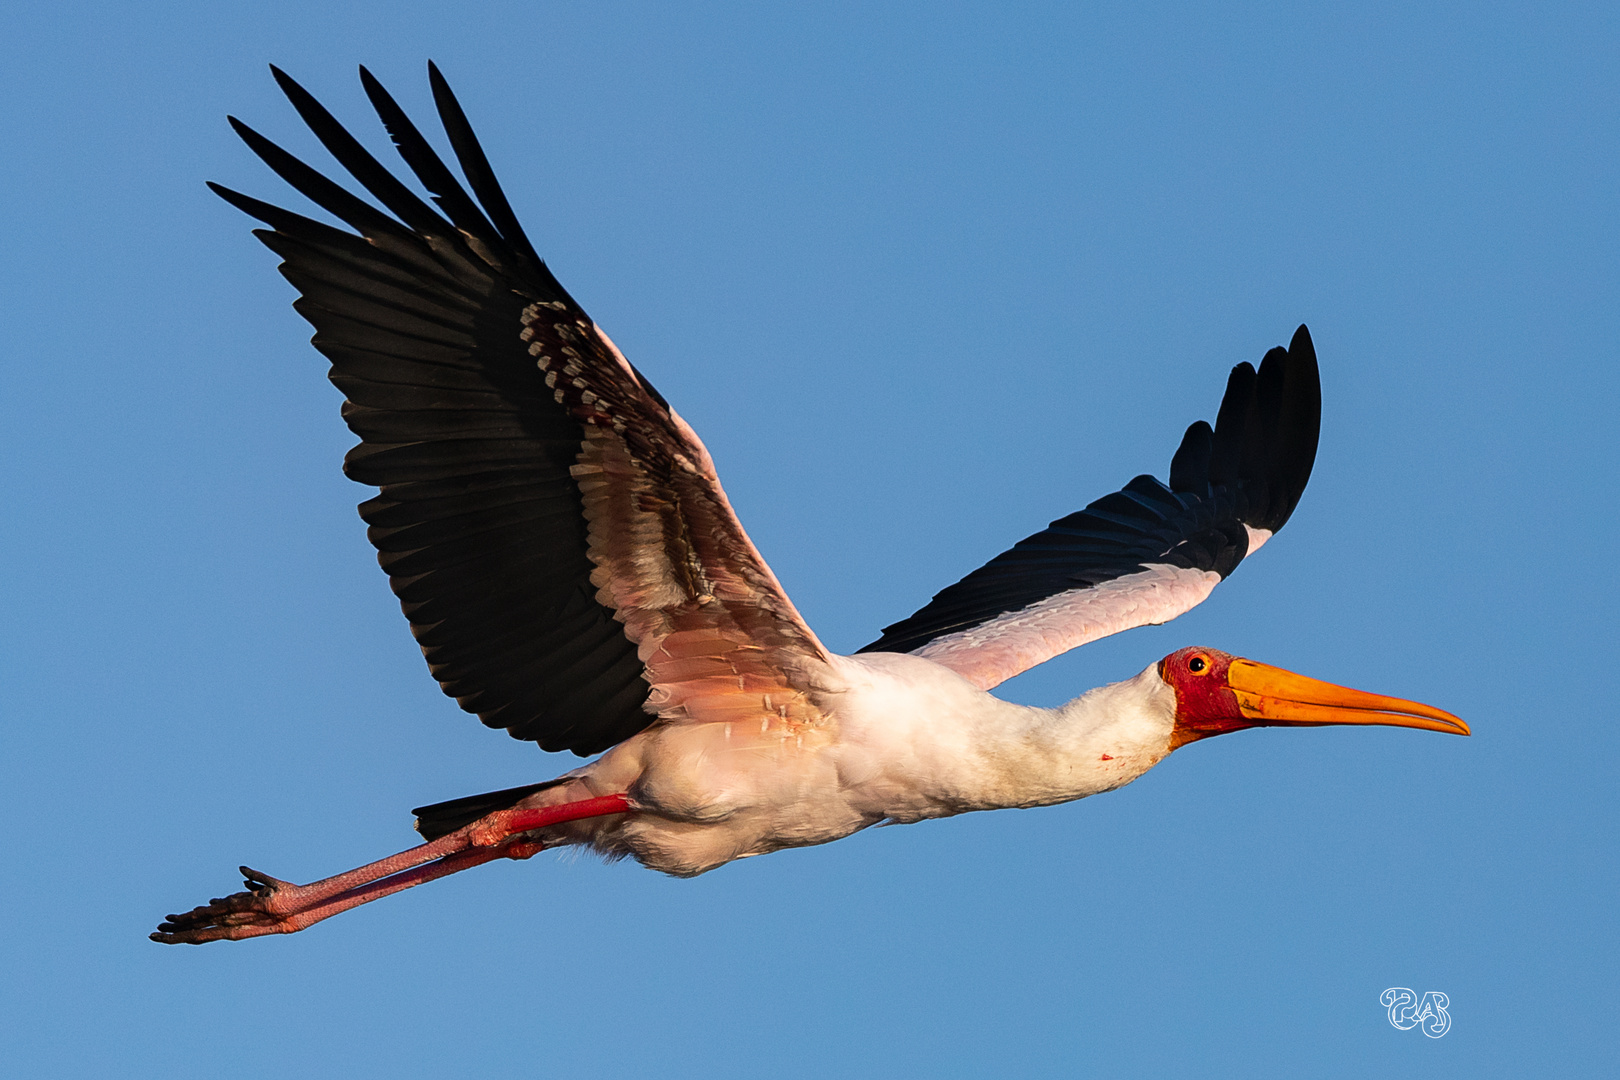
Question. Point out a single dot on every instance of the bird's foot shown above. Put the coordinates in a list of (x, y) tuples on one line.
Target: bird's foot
[(269, 906)]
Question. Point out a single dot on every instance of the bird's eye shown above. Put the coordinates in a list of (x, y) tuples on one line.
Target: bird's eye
[(1197, 665)]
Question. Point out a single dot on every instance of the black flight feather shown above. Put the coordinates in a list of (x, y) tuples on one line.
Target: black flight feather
[(479, 522), (475, 166), (1249, 470)]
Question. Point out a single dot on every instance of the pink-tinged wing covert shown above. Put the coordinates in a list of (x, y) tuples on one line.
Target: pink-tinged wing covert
[(719, 637)]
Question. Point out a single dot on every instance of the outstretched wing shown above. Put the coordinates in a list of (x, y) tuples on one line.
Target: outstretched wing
[(555, 533), (1144, 554)]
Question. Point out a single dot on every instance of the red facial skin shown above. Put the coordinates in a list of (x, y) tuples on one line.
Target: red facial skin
[(1205, 705)]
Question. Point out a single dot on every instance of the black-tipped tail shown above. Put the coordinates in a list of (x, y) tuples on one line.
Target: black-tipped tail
[(442, 818)]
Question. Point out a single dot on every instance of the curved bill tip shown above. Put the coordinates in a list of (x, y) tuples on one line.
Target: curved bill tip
[(1269, 695)]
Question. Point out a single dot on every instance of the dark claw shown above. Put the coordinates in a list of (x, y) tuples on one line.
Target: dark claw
[(262, 884)]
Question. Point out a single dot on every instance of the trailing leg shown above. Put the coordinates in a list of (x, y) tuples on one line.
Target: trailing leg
[(273, 906)]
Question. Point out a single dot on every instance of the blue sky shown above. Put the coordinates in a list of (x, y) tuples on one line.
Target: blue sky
[(924, 277)]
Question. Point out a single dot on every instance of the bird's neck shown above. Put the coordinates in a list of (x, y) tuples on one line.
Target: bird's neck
[(1101, 740), (955, 748), (1107, 737)]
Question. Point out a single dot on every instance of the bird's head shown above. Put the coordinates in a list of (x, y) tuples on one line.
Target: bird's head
[(1217, 692)]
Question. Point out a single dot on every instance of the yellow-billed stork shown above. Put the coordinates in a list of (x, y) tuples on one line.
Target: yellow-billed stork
[(573, 572)]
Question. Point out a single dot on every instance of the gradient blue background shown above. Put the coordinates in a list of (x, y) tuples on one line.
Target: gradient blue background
[(924, 277)]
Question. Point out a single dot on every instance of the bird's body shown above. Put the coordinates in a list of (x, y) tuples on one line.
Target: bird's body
[(571, 567), (897, 738)]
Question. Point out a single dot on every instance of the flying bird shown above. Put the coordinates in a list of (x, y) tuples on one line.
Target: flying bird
[(573, 572)]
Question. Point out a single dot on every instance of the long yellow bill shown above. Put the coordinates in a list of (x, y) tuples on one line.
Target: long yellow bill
[(1273, 696)]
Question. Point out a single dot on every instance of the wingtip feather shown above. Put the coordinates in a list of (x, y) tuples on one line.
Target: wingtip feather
[(475, 166), (1189, 468)]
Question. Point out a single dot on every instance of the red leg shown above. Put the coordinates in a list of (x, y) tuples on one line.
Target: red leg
[(273, 906)]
